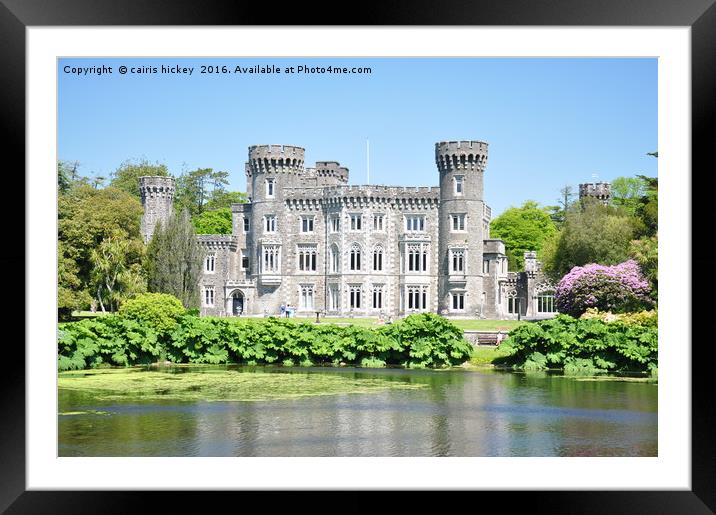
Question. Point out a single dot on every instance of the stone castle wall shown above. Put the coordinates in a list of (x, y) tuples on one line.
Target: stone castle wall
[(269, 230)]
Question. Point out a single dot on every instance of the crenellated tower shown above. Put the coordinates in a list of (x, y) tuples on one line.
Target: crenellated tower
[(157, 195), (269, 170), (461, 165)]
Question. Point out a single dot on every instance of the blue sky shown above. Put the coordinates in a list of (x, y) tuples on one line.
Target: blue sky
[(548, 122)]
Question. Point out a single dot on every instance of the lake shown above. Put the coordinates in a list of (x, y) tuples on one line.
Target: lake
[(278, 411)]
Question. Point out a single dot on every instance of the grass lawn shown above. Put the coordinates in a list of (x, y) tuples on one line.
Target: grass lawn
[(488, 325), (482, 356), (479, 325)]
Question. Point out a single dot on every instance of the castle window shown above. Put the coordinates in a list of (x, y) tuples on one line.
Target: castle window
[(378, 259), (335, 259), (355, 257), (208, 296), (458, 222), (271, 258), (209, 263), (459, 180), (378, 296), (513, 305), (485, 266), (458, 301), (244, 260), (333, 298), (306, 297), (270, 223), (415, 223), (458, 261), (270, 188), (354, 294), (335, 224), (306, 258), (417, 255), (306, 224), (247, 224), (377, 222), (356, 222), (417, 297), (545, 303)]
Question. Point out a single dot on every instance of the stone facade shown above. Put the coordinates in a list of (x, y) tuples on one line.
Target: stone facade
[(309, 241)]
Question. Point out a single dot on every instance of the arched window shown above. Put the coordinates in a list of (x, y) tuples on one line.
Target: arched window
[(355, 257), (378, 258), (335, 259)]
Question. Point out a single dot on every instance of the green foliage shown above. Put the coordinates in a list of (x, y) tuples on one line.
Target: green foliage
[(522, 229), (174, 260), (592, 233), (642, 318), (418, 341), (196, 188), (213, 222), (92, 223), (584, 346), (645, 251), (627, 192), (221, 199), (126, 177), (158, 311)]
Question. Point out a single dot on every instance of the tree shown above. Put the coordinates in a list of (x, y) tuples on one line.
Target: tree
[(592, 233), (522, 229), (648, 208), (174, 260), (126, 177), (627, 192), (645, 252), (223, 199), (196, 188), (114, 277), (86, 218), (213, 222)]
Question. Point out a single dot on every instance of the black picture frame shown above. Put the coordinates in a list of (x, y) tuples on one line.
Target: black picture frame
[(16, 15)]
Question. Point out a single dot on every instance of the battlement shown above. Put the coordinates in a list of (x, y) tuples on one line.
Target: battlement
[(275, 159), (598, 190), (461, 155), (332, 169), (156, 186), (217, 241)]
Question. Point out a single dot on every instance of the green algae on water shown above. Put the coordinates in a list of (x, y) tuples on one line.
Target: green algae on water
[(219, 385)]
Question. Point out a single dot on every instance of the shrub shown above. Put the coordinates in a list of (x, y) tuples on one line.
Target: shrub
[(619, 288), (424, 340), (159, 311), (579, 346), (644, 318)]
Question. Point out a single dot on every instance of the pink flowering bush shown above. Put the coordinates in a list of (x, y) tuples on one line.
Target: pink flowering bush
[(619, 289)]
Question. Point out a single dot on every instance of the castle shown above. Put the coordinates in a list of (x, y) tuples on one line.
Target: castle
[(308, 241)]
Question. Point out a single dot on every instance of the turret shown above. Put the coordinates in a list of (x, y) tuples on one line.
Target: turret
[(461, 165), (157, 195), (270, 168), (598, 190)]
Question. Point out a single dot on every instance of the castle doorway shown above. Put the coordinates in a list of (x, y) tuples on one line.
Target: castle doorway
[(237, 303)]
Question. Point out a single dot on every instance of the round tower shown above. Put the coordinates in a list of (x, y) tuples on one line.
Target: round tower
[(461, 165), (270, 169), (157, 194)]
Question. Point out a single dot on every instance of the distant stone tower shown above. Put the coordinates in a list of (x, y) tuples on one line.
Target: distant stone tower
[(270, 169), (157, 195), (598, 190), (461, 165)]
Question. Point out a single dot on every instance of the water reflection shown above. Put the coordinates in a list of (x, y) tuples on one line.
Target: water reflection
[(459, 413)]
